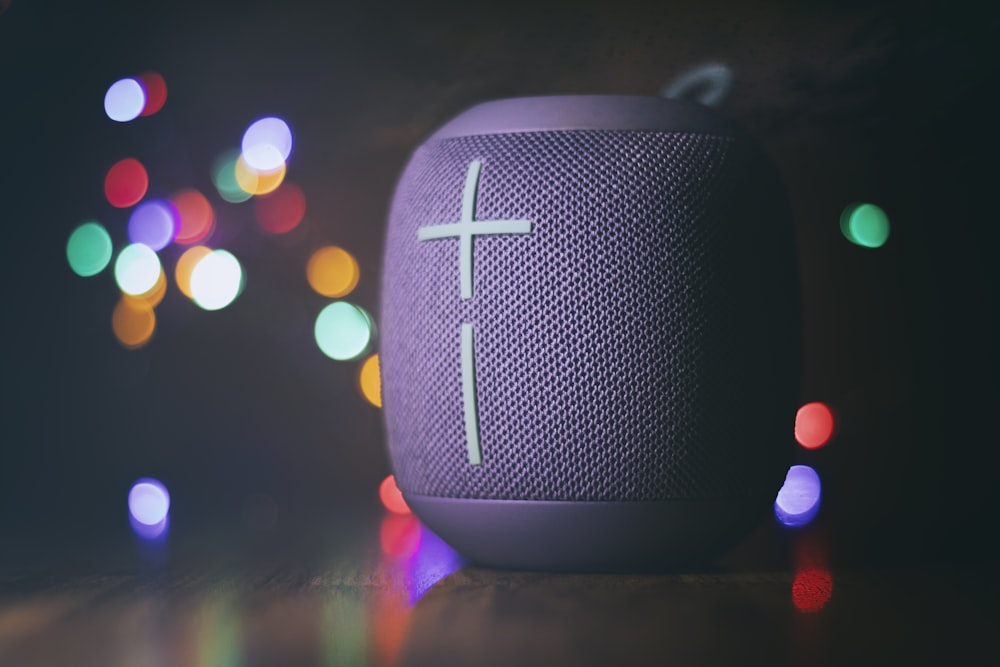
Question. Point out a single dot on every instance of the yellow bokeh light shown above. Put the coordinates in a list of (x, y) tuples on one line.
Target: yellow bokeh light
[(133, 322), (185, 267), (256, 182), (332, 272), (371, 381)]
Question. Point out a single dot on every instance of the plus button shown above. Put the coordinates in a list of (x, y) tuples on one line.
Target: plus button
[(466, 228)]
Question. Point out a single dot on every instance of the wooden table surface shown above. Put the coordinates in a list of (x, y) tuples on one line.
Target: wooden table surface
[(399, 596)]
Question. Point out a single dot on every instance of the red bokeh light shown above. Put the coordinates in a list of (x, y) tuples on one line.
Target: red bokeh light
[(156, 92), (812, 588), (280, 211), (196, 215), (392, 497), (126, 183), (400, 535), (814, 425)]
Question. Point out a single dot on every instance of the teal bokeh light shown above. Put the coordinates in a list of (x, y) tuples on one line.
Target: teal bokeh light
[(89, 249), (866, 225), (224, 178), (343, 331)]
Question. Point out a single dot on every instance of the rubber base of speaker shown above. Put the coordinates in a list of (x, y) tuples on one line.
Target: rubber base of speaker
[(588, 536)]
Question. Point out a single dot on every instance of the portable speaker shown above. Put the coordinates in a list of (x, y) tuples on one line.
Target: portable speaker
[(590, 333)]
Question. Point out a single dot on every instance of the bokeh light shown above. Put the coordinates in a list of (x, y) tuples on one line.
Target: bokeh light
[(185, 267), (256, 182), (124, 100), (267, 143), (332, 272), (343, 331), (153, 223), (799, 498), (133, 322), (281, 211), (866, 225), (156, 92), (371, 381), (148, 501), (89, 249), (400, 535), (392, 497), (812, 589), (126, 183), (814, 425), (216, 281), (708, 84), (224, 178), (137, 269), (197, 219), (154, 295), (433, 561)]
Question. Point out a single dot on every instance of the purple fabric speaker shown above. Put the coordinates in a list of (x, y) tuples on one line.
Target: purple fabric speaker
[(590, 337)]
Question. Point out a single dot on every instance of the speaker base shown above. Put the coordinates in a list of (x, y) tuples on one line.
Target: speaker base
[(589, 536)]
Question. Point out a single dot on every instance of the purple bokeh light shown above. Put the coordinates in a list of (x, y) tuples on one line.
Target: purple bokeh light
[(430, 563), (154, 223), (799, 498), (148, 502)]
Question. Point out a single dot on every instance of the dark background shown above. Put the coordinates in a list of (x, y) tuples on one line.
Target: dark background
[(886, 102)]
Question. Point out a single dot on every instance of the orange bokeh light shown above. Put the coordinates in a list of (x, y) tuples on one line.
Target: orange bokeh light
[(392, 497), (256, 182), (156, 293), (332, 272), (185, 267), (133, 322), (371, 381)]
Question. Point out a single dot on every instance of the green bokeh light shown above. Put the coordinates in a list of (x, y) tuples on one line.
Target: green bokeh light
[(343, 331), (866, 225), (224, 177), (89, 249)]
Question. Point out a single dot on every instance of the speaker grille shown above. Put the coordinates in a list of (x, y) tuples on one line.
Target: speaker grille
[(613, 344)]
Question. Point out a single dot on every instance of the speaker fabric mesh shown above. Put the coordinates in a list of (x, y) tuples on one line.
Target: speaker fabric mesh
[(614, 344)]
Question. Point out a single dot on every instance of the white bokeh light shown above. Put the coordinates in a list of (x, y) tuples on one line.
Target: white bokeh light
[(137, 269), (124, 100), (216, 280), (267, 143)]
